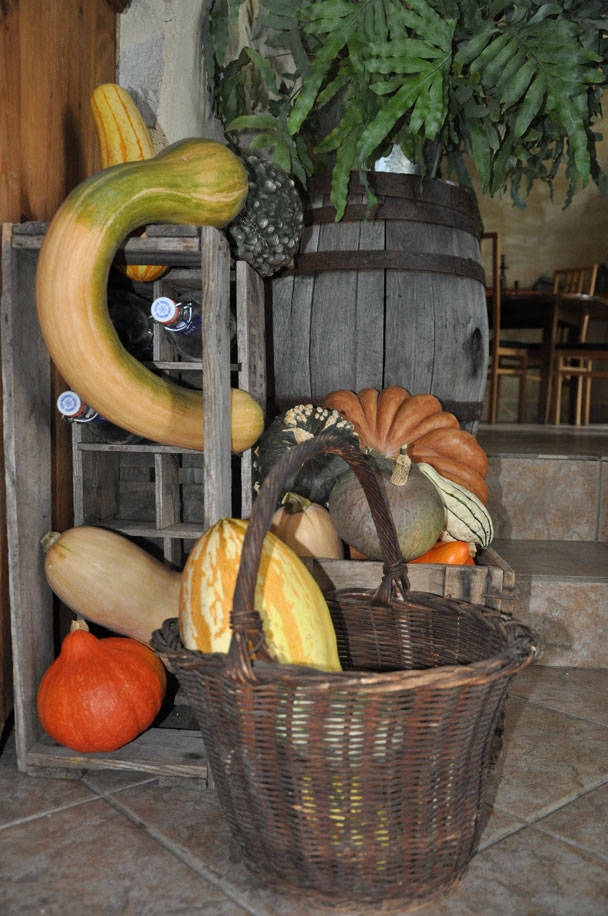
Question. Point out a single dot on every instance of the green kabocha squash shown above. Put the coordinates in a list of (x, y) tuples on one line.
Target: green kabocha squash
[(318, 475), (413, 501), (267, 231), (194, 181)]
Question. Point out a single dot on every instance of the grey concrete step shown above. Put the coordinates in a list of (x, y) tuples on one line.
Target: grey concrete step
[(549, 502), (561, 590), (547, 483)]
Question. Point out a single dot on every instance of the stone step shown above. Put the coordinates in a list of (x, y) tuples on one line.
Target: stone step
[(561, 590), (547, 483)]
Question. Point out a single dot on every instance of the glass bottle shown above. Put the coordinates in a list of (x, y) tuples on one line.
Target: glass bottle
[(73, 410), (181, 319), (130, 315)]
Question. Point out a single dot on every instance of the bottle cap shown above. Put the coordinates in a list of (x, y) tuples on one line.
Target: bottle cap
[(164, 310), (70, 404)]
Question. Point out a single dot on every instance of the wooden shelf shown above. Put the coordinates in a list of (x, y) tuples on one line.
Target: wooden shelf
[(100, 469)]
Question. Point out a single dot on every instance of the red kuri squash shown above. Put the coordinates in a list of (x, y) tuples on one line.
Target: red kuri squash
[(99, 694)]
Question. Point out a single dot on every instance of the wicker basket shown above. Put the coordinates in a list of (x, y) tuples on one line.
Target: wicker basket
[(362, 788)]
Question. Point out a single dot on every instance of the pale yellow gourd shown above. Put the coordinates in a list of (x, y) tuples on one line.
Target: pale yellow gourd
[(108, 579)]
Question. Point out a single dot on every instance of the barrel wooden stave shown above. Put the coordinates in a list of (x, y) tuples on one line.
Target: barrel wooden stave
[(424, 329)]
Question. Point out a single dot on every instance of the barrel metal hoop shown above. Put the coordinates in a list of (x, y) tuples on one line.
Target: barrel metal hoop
[(396, 209), (413, 187), (389, 260)]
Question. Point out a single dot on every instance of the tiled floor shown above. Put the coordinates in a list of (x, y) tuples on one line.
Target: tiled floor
[(124, 844)]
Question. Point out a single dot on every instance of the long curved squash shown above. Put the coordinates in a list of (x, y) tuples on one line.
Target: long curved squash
[(194, 181), (296, 620), (123, 137)]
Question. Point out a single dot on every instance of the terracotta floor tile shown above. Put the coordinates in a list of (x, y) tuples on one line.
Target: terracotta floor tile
[(498, 825), (91, 860), (193, 821), (583, 822), (529, 874), (105, 781), (580, 691), (26, 796), (548, 758)]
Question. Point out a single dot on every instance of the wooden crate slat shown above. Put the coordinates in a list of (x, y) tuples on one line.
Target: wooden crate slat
[(27, 447), (162, 751), (215, 272), (251, 331), (484, 584)]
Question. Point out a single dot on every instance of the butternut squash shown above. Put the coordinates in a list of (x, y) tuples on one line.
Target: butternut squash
[(108, 579), (194, 181)]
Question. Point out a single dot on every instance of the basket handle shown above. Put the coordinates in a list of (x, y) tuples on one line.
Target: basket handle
[(246, 622)]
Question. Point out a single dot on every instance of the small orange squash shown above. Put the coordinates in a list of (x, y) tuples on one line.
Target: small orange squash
[(99, 694), (296, 620), (453, 553)]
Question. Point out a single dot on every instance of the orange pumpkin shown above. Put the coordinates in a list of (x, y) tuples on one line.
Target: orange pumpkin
[(388, 419), (99, 694)]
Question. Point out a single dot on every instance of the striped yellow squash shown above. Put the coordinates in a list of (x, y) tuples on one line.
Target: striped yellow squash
[(296, 620), (123, 137)]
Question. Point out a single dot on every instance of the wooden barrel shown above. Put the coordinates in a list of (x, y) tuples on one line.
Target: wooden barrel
[(395, 296)]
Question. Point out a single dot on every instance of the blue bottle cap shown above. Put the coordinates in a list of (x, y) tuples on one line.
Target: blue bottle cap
[(164, 310), (70, 404)]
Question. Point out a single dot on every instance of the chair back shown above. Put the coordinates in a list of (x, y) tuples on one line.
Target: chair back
[(493, 286), (575, 280)]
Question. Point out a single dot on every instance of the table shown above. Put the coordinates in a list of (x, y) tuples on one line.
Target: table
[(550, 312)]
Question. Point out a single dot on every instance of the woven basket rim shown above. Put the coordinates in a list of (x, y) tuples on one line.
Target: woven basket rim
[(521, 649)]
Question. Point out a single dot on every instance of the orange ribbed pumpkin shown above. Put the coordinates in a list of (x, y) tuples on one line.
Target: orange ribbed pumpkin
[(296, 620), (388, 419), (99, 694)]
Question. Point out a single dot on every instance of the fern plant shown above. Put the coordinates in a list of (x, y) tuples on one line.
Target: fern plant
[(514, 87)]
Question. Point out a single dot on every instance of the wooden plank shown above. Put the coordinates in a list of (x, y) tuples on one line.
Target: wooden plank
[(251, 349), (48, 144), (436, 324), (289, 360), (142, 529), (333, 332), (215, 272), (162, 751), (476, 584), (27, 447), (168, 503), (369, 339), (166, 475)]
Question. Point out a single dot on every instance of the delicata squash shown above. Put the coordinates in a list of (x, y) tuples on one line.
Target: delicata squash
[(194, 181)]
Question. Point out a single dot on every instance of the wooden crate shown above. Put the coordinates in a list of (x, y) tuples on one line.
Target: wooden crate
[(490, 582), (196, 257)]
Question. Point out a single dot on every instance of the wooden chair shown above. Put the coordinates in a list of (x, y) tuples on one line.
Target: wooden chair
[(577, 355), (505, 358)]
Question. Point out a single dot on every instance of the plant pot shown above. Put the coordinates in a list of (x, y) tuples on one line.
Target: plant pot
[(395, 296)]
